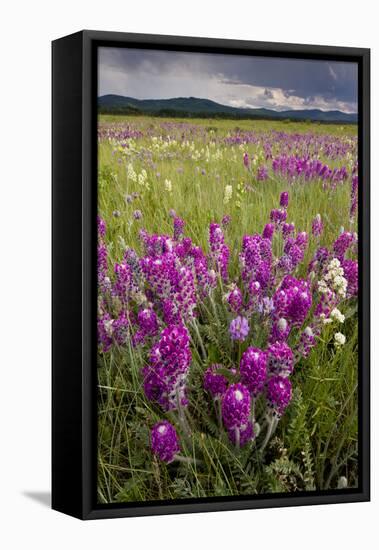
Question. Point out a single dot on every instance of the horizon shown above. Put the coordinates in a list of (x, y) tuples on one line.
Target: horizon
[(247, 82), (224, 105)]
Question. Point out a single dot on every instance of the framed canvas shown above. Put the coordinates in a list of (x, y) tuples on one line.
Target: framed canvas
[(211, 285)]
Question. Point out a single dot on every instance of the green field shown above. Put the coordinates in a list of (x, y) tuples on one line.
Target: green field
[(186, 166)]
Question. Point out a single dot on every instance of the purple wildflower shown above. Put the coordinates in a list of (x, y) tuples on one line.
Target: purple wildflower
[(226, 221), (101, 227), (317, 226), (354, 197), (236, 406), (350, 268), (268, 231), (165, 377), (307, 342), (288, 229), (164, 441), (284, 199), (178, 228), (245, 433), (234, 299), (137, 214), (239, 329), (342, 244), (216, 384), (280, 359), (253, 369), (262, 173), (279, 394)]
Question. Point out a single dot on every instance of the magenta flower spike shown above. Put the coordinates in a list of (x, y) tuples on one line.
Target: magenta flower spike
[(164, 441), (279, 394), (253, 370), (215, 383)]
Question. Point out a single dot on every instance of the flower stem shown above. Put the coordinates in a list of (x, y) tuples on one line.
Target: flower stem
[(188, 459), (272, 424), (200, 340)]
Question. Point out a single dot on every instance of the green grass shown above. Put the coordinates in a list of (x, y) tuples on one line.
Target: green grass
[(316, 440)]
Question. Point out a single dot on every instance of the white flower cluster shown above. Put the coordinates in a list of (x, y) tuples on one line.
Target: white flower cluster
[(228, 193), (336, 315), (168, 186), (339, 339), (142, 179), (130, 173), (334, 280)]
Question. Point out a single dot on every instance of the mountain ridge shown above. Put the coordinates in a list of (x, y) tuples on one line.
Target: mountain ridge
[(193, 107)]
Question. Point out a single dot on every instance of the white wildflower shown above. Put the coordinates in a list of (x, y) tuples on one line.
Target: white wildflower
[(339, 339), (131, 175), (228, 193), (336, 315), (168, 186)]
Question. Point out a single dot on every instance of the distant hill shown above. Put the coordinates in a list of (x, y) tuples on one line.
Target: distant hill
[(205, 108)]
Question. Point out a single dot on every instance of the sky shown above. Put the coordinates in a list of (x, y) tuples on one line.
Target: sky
[(238, 81)]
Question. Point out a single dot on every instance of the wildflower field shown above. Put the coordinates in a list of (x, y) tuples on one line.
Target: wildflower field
[(227, 308)]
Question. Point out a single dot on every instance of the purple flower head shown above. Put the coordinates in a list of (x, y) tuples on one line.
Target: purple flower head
[(120, 328), (245, 433), (317, 226), (280, 359), (226, 221), (279, 394), (302, 240), (105, 331), (292, 300), (307, 341), (239, 329), (164, 441), (165, 377), (288, 229), (246, 160), (354, 197), (253, 369), (172, 213), (178, 228), (234, 299), (296, 255), (101, 227), (350, 268), (216, 384), (148, 321), (219, 250), (262, 173), (102, 261), (285, 264), (280, 330), (284, 199), (122, 284), (268, 231), (278, 216), (236, 406), (137, 214), (342, 244), (256, 259)]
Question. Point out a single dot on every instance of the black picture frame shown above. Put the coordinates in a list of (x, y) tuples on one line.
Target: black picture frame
[(74, 203)]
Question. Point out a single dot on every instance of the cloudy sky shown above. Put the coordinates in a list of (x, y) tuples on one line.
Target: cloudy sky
[(238, 81)]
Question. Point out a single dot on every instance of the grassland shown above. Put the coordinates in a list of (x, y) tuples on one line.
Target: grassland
[(188, 166)]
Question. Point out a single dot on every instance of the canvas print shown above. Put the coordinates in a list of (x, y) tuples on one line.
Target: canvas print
[(227, 265)]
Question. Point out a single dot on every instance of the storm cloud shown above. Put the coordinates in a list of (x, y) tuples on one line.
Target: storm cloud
[(241, 81)]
